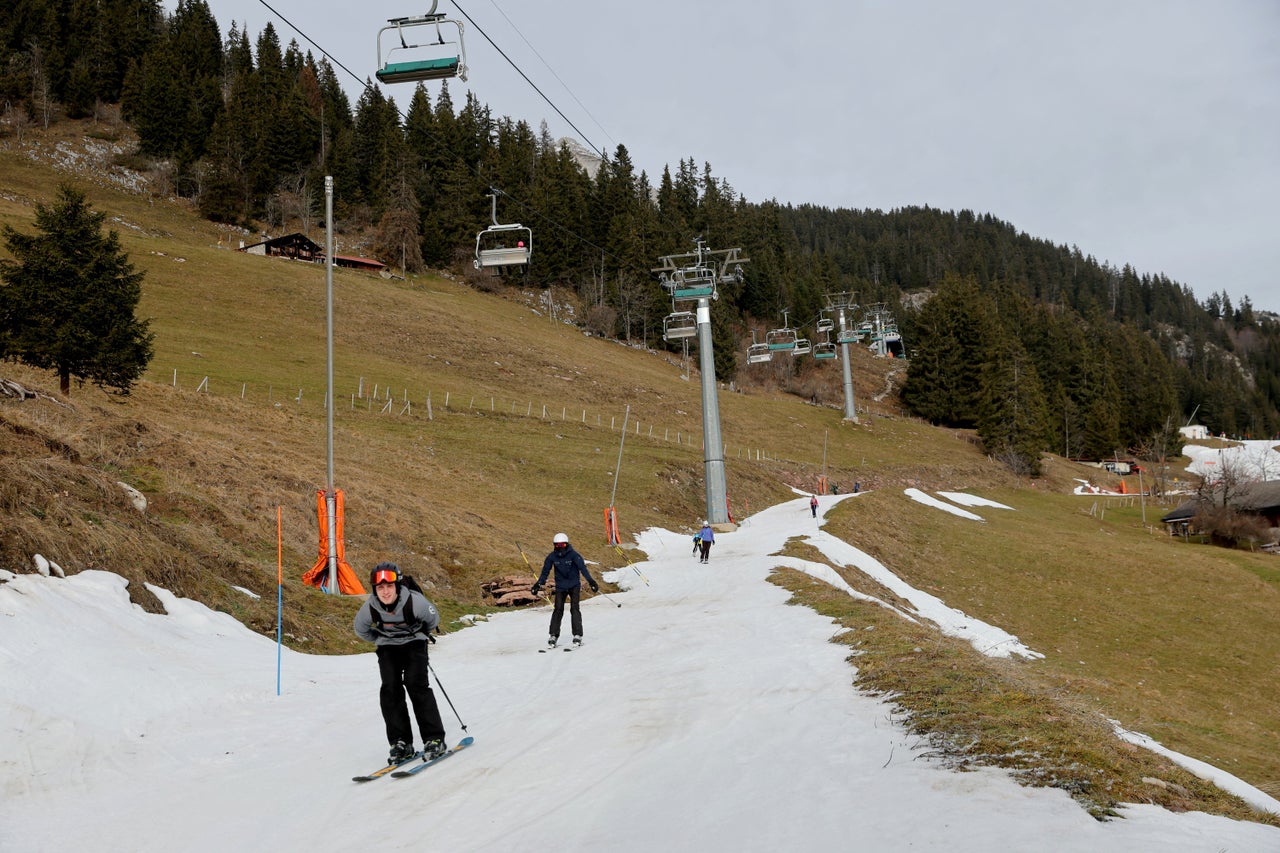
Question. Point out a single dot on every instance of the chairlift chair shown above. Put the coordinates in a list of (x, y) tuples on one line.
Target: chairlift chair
[(848, 335), (440, 61), (802, 347), (781, 340), (696, 282), (824, 349), (758, 353), (494, 245), (681, 324), (826, 324)]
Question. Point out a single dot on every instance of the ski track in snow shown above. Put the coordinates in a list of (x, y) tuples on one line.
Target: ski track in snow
[(703, 714)]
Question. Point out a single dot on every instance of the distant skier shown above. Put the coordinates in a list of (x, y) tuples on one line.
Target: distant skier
[(697, 543), (813, 505), (568, 564), (707, 538), (398, 620)]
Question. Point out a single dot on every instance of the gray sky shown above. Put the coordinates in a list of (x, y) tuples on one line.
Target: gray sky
[(1145, 132)]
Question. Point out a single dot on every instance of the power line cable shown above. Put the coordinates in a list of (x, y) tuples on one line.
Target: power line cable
[(527, 80), (553, 71)]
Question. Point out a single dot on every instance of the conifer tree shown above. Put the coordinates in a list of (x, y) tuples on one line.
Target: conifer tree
[(1012, 410), (399, 240), (68, 298), (952, 333)]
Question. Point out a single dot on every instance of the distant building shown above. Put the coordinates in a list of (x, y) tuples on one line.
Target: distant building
[(356, 263), (1261, 498), (299, 247), (1194, 432)]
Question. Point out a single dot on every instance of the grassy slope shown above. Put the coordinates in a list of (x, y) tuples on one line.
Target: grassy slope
[(1175, 640)]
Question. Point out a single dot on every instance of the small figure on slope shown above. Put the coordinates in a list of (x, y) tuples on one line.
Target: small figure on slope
[(697, 543), (568, 564), (707, 538), (398, 620), (813, 505)]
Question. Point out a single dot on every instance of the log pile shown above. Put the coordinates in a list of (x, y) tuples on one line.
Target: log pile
[(513, 590)]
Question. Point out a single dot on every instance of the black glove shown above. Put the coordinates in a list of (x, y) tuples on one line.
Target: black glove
[(595, 587), (536, 589)]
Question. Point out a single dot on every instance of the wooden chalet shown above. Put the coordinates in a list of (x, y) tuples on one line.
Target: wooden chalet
[(1260, 498), (357, 263), (298, 247)]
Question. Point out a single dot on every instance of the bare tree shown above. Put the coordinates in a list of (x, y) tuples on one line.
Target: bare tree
[(17, 119), (632, 292), (1264, 463), (41, 95)]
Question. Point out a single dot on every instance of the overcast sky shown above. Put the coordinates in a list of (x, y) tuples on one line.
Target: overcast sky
[(1145, 132)]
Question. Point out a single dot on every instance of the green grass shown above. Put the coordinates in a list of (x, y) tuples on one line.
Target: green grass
[(1162, 636), (972, 710)]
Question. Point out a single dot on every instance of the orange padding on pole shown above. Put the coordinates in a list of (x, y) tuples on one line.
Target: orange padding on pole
[(611, 525), (318, 576)]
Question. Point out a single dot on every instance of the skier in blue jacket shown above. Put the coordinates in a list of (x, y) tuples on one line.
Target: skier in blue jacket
[(399, 620), (568, 564), (706, 538)]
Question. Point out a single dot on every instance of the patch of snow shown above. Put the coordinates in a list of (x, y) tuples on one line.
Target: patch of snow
[(928, 500), (965, 499)]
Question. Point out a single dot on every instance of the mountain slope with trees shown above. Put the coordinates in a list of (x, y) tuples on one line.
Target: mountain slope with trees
[(1041, 344)]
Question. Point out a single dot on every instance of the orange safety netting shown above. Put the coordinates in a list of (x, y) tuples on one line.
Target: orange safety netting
[(611, 525), (318, 576)]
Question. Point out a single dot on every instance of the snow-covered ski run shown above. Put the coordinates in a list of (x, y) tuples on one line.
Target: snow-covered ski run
[(709, 716)]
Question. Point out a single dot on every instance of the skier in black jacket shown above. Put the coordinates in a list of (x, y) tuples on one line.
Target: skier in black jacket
[(398, 620), (569, 565)]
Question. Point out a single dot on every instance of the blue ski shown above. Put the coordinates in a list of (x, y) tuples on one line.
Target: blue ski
[(377, 774), (419, 767)]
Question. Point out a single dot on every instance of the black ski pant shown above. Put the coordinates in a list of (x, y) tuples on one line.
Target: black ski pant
[(404, 669), (574, 594), (706, 549)]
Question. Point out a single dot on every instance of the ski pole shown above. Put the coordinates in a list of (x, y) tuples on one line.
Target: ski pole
[(611, 601), (446, 697), (530, 565), (632, 565)]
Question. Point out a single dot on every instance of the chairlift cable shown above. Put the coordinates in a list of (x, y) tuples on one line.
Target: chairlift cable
[(549, 68), (368, 85), (527, 80)]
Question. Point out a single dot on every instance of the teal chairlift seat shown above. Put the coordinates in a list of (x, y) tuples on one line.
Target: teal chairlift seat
[(431, 60)]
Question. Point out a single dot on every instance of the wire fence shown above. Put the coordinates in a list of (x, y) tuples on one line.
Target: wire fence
[(382, 400)]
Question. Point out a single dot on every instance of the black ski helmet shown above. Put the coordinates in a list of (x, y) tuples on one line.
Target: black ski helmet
[(385, 567)]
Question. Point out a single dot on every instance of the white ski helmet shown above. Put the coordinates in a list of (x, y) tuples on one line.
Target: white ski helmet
[(560, 539)]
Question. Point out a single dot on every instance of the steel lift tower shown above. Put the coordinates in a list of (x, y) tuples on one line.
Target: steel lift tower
[(693, 278)]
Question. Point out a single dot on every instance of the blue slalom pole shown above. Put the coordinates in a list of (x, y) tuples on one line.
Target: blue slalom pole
[(279, 593)]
